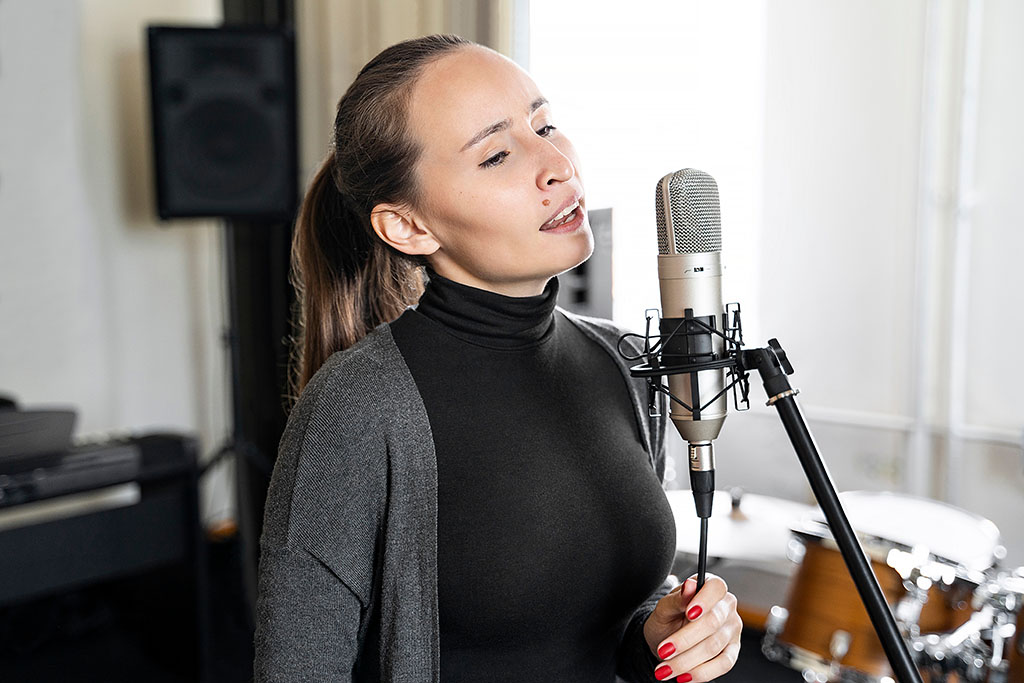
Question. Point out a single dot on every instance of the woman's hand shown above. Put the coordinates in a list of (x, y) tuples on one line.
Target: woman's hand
[(697, 635)]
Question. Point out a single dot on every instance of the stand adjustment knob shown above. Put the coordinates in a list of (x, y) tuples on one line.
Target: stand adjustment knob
[(780, 353)]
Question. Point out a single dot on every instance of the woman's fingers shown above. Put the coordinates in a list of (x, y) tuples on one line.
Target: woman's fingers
[(707, 647), (689, 603), (700, 640), (669, 611), (710, 670), (711, 593)]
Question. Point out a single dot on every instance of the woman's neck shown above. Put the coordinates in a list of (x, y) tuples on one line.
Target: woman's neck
[(524, 287), (488, 318)]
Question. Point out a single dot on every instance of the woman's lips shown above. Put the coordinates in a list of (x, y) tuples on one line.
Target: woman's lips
[(563, 214), (575, 220)]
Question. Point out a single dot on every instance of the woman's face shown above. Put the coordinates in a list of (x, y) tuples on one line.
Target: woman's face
[(493, 173)]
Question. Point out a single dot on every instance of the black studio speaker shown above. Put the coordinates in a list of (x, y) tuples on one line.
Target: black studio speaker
[(224, 122)]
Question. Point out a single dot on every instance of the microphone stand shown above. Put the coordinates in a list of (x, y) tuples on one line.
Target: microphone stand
[(773, 366)]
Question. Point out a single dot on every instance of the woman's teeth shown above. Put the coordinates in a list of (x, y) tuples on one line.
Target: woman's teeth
[(564, 216), (569, 209)]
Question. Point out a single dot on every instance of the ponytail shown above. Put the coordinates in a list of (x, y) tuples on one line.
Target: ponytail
[(346, 280)]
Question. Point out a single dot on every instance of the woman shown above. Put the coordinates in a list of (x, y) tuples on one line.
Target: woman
[(469, 489)]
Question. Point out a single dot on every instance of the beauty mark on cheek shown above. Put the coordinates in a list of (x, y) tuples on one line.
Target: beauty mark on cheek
[(546, 202)]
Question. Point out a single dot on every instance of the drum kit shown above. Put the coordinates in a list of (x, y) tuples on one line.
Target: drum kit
[(937, 565)]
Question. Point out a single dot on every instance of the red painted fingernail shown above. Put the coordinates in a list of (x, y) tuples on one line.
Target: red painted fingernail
[(684, 678), (666, 650), (663, 672), (694, 612)]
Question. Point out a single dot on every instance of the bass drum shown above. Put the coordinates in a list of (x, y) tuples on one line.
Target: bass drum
[(939, 551)]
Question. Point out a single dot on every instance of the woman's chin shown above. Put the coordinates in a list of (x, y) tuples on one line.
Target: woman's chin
[(585, 244), (576, 252)]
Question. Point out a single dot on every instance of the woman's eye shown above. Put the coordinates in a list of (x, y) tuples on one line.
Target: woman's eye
[(546, 131), (495, 160)]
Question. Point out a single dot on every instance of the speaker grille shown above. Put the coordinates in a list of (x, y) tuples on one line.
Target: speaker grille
[(226, 152), (224, 125), (688, 214)]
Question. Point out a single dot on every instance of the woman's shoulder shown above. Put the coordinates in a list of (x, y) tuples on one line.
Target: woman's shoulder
[(356, 367), (333, 452), (354, 393)]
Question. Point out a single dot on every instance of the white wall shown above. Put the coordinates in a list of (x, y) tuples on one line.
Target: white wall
[(637, 95), (996, 286), (814, 117), (836, 132), (865, 132), (992, 409), (102, 307)]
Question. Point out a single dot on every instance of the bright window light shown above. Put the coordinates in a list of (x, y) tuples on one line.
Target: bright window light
[(647, 89)]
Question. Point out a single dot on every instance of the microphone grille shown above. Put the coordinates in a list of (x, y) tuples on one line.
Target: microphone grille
[(687, 210)]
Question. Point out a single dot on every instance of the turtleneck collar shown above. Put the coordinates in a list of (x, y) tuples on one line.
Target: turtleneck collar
[(486, 318)]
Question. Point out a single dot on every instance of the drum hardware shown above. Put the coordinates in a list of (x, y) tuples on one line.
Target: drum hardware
[(838, 646), (823, 633), (958, 654), (813, 668), (919, 574), (795, 551), (934, 660), (916, 582), (773, 627), (982, 649), (1003, 602)]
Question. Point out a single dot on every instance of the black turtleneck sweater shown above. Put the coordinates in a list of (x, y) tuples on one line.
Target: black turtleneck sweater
[(552, 526)]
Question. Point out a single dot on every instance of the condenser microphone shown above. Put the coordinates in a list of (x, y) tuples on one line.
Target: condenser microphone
[(692, 334)]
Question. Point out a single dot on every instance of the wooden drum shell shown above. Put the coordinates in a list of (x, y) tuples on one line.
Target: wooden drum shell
[(823, 599)]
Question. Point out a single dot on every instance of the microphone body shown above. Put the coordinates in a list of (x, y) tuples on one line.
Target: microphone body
[(690, 279), (694, 282)]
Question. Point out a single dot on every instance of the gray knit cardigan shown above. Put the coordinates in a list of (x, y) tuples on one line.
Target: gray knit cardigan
[(350, 527)]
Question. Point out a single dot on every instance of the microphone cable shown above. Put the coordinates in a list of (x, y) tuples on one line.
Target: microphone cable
[(702, 484), (702, 553)]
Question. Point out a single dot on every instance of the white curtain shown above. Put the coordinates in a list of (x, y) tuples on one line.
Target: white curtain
[(335, 38)]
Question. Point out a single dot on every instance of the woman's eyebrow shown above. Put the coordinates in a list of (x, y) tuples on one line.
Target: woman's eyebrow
[(500, 125)]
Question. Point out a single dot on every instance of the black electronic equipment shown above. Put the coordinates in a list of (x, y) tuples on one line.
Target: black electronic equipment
[(224, 121), (104, 526), (38, 460)]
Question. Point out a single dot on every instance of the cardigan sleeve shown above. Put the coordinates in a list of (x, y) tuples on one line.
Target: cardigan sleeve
[(307, 621), (320, 533)]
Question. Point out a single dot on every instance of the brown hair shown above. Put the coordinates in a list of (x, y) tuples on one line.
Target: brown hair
[(347, 280)]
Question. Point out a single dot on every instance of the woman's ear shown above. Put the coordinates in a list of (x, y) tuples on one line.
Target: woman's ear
[(399, 227)]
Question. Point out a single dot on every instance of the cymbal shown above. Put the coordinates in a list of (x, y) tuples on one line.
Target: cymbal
[(757, 529)]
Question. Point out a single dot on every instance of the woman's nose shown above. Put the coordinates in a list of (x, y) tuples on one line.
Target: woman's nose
[(556, 167)]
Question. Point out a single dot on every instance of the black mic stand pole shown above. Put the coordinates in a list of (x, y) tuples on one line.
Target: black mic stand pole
[(773, 366)]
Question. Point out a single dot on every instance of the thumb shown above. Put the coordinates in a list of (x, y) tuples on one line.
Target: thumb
[(672, 606)]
